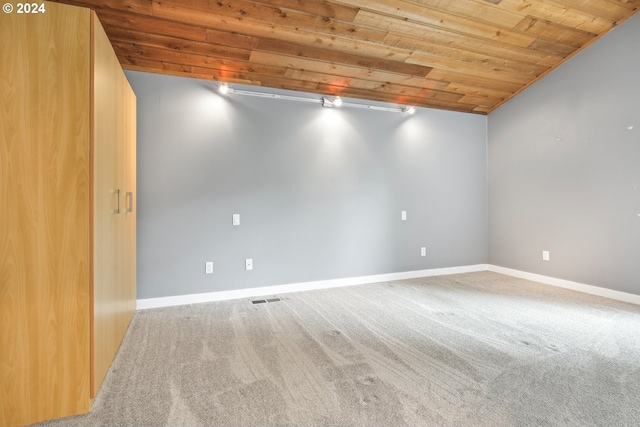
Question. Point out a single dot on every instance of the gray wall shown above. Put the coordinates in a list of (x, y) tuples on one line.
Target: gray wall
[(564, 169), (319, 190)]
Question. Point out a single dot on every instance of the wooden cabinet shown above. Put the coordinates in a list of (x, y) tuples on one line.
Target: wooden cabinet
[(67, 211), (114, 214)]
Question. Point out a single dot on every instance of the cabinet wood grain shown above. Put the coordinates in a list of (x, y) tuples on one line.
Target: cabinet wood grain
[(113, 298), (44, 211)]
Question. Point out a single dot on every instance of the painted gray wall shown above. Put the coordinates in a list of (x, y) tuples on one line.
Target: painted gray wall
[(319, 190), (564, 169)]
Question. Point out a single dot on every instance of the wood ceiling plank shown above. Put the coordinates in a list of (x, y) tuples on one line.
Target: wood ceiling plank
[(315, 7), (467, 68), (474, 80), (164, 27), (186, 71), (631, 4), (611, 10), (467, 56), (327, 55), (340, 70), (489, 12), (482, 110), (446, 38), (141, 64), (471, 90), (480, 101), (137, 39), (388, 88), (333, 80), (433, 41), (384, 15), (134, 6), (550, 47), (290, 84), (126, 50), (559, 14), (555, 32), (342, 45), (253, 28), (110, 18), (247, 10)]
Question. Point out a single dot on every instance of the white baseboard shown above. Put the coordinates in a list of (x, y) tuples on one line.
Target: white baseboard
[(147, 303), (580, 287)]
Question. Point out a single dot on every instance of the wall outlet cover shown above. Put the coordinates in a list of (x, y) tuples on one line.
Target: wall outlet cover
[(208, 267)]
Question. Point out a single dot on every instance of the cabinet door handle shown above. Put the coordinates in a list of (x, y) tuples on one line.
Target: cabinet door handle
[(129, 201), (117, 193)]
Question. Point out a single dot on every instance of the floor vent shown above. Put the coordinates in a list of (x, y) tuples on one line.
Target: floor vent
[(262, 301)]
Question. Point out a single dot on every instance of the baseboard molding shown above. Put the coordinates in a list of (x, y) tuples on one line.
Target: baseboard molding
[(567, 284), (143, 304)]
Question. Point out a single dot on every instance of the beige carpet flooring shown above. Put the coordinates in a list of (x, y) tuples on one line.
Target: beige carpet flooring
[(477, 349)]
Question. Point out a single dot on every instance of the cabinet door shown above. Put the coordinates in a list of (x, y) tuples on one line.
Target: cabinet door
[(44, 214), (124, 290), (110, 300), (131, 214)]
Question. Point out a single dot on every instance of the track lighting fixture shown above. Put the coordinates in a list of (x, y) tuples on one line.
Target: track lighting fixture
[(325, 101)]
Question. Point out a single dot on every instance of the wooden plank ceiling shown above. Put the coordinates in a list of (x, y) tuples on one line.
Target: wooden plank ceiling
[(462, 55)]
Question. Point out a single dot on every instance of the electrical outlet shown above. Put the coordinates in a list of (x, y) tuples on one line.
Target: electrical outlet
[(208, 267), (423, 251), (235, 219), (545, 255), (403, 215), (248, 264)]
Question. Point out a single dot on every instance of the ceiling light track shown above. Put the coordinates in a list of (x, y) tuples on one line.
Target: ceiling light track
[(326, 102)]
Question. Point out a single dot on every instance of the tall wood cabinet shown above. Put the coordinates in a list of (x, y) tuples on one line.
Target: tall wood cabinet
[(114, 213), (67, 211)]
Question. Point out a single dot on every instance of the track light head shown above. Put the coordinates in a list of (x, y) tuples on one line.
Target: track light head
[(223, 88), (327, 103)]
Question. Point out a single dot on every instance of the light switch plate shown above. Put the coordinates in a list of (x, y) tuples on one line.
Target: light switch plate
[(208, 267), (403, 215), (235, 219), (545, 255), (248, 264)]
